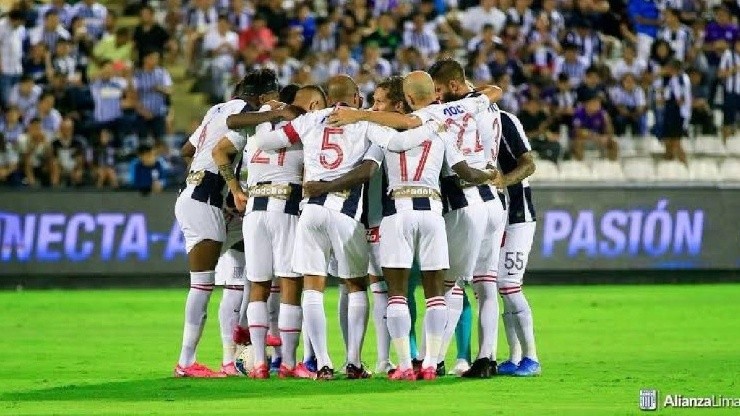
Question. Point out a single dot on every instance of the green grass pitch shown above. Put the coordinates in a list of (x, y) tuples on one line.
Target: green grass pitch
[(112, 352)]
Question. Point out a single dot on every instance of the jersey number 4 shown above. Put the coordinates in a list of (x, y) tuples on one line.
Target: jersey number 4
[(261, 158), (328, 145), (426, 146)]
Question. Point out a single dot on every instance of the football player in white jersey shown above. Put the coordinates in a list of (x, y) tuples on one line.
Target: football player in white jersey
[(330, 222), (273, 195), (516, 163), (474, 214), (199, 211)]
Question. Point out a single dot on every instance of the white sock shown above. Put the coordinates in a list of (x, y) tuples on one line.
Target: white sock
[(228, 317), (196, 309), (399, 326), (342, 312), (485, 289), (258, 325), (454, 300), (357, 309), (519, 308), (510, 324), (307, 347), (291, 318), (380, 305), (315, 318), (435, 320), (243, 321)]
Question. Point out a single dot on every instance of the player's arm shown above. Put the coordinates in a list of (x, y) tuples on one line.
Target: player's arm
[(253, 118), (356, 176), (455, 159), (222, 155), (276, 139), (493, 92), (345, 115), (187, 152), (513, 132), (525, 167)]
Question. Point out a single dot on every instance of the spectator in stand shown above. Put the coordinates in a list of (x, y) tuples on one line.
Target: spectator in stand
[(688, 10), (240, 15), (478, 70), (591, 86), (50, 32), (409, 60), (629, 64), (83, 45), (557, 20), (729, 72), (117, 49), (503, 64), (220, 46), (283, 64), (306, 21), (521, 15), (562, 103), (64, 63), (200, 18), (61, 8), (50, 117), (378, 67), (386, 37), (590, 47), (420, 36), (295, 43), (720, 35), (150, 35), (258, 36), (543, 46), (12, 127), (537, 126), (69, 152), (37, 63), (678, 35), (591, 123), (70, 99), (110, 95), (701, 112), (25, 95), (147, 173), (485, 41), (94, 15), (510, 100), (474, 18), (630, 106), (8, 163), (12, 34), (676, 99), (343, 63), (153, 87), (571, 65), (37, 155), (325, 40), (275, 15), (103, 161), (645, 17)]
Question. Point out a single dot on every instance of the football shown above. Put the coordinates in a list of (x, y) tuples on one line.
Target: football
[(244, 359)]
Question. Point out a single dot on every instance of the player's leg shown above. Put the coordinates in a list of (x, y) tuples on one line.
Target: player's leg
[(231, 265), (484, 284), (379, 290), (396, 254), (203, 239), (342, 305), (273, 333), (414, 280), (516, 253), (463, 337), (509, 366), (433, 257), (357, 316), (311, 258)]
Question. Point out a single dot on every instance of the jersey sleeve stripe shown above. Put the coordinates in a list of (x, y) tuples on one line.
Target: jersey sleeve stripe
[(292, 135)]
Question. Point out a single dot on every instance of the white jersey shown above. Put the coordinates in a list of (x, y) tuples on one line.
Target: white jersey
[(211, 130)]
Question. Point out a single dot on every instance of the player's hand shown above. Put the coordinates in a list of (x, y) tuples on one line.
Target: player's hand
[(240, 201), (314, 188), (497, 180), (493, 92), (343, 115)]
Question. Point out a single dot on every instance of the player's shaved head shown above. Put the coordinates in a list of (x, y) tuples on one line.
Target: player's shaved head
[(343, 89), (418, 87), (310, 98)]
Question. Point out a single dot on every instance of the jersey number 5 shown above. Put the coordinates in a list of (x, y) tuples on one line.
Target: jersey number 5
[(426, 145), (327, 144)]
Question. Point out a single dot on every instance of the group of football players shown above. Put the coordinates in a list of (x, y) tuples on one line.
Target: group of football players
[(434, 173)]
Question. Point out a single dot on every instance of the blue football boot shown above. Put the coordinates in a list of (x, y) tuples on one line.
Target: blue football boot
[(507, 368), (311, 364), (275, 364), (528, 368)]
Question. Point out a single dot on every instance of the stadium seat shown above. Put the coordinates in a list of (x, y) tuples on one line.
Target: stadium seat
[(653, 146), (607, 170), (733, 146), (627, 147), (688, 145), (639, 169), (704, 170), (573, 170), (546, 171), (730, 170), (671, 170), (709, 146)]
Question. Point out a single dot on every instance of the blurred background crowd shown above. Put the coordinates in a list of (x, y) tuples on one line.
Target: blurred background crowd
[(86, 87)]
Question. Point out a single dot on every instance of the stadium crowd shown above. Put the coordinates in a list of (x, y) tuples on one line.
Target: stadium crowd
[(86, 100)]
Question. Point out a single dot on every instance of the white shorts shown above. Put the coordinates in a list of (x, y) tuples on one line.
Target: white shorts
[(322, 233), (515, 253), (198, 221), (409, 234), (268, 245), (487, 263), (230, 269), (234, 232), (471, 232), (373, 241)]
